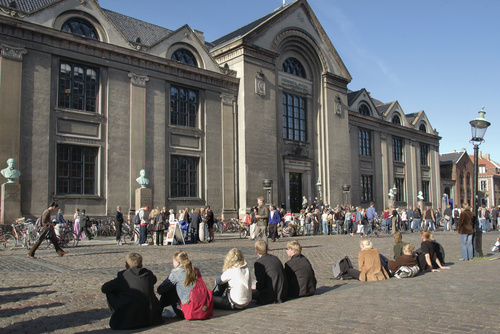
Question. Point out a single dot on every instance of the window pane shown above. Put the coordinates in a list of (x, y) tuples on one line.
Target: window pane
[(183, 106), (294, 117), (76, 173), (78, 87)]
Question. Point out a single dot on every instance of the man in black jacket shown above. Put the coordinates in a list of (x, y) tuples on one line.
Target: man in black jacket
[(119, 222), (299, 272), (195, 225), (131, 297), (271, 286)]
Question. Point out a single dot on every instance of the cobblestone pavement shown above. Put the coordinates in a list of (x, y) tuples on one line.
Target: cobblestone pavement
[(62, 295)]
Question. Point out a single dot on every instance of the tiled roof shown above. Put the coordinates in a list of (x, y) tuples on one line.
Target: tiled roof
[(241, 31), (133, 29), (352, 96), (27, 5), (450, 158), (382, 108)]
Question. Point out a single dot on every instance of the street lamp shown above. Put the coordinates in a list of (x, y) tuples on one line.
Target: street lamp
[(478, 129)]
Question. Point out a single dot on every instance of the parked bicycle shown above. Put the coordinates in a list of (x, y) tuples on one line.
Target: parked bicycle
[(7, 240)]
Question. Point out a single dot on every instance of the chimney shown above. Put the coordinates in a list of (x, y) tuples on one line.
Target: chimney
[(480, 155), (453, 151), (487, 156), (463, 150)]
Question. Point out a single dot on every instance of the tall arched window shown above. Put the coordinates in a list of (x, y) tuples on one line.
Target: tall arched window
[(364, 110), (80, 27), (293, 66), (396, 120), (422, 127), (184, 57)]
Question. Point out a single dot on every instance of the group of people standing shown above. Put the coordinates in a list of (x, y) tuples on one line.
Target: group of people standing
[(134, 304)]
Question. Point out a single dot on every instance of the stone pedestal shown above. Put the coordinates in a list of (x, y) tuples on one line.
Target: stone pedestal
[(143, 197), (421, 206), (11, 202), (391, 203)]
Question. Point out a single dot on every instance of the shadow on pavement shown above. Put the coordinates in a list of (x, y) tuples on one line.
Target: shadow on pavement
[(15, 311), (324, 289), (47, 324), (17, 297), (23, 287)]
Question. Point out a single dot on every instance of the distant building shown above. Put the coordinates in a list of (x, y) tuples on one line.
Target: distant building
[(457, 172), (489, 181), (90, 97)]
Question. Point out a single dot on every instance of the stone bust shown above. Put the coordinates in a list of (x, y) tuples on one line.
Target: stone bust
[(420, 196), (142, 179), (391, 194), (10, 173)]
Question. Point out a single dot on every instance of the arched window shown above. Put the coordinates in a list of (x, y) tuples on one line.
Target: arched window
[(184, 57), (364, 110), (422, 127), (80, 27), (293, 66), (396, 120)]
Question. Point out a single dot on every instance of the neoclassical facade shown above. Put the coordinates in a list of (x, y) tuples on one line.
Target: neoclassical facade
[(90, 97)]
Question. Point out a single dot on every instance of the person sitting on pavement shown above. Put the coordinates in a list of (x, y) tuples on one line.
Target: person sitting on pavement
[(271, 286), (174, 291), (407, 259), (370, 266), (131, 297), (430, 256), (235, 281), (398, 247), (299, 272)]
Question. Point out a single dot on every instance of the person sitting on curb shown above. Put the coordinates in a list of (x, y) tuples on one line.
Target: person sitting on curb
[(370, 266), (271, 286), (235, 281), (407, 259), (131, 297), (428, 258), (299, 272)]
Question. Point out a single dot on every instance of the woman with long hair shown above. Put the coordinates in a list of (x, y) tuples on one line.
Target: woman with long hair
[(175, 290), (370, 266), (235, 281), (466, 230)]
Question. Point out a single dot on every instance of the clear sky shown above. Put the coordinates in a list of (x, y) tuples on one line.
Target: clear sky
[(440, 56)]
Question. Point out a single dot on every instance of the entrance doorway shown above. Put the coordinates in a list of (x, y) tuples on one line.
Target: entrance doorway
[(295, 183)]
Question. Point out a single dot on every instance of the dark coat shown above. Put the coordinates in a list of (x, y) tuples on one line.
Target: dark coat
[(132, 299), (271, 280), (300, 276), (195, 220), (465, 225)]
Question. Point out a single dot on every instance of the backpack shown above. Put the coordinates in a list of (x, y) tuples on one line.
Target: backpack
[(340, 268), (201, 302), (406, 272), (137, 219)]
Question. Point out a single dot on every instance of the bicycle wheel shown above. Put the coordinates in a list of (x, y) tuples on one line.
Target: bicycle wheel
[(69, 240), (7, 242), (301, 230), (243, 233)]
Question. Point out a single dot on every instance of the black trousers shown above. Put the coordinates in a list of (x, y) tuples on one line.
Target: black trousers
[(84, 228), (118, 230), (47, 233), (273, 231)]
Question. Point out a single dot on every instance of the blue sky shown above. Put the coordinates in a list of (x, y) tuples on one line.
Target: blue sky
[(440, 56)]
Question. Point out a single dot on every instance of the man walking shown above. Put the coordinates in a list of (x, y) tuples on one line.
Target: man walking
[(262, 218), (47, 233), (371, 215)]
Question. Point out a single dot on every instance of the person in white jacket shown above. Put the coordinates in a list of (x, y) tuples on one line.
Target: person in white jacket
[(233, 288)]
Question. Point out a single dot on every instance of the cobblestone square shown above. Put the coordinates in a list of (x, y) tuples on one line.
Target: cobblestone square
[(62, 295)]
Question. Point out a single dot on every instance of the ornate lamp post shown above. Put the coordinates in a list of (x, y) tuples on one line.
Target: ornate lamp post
[(478, 129)]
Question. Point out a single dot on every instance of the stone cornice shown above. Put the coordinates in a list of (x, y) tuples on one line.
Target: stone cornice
[(12, 53), (243, 49), (50, 40)]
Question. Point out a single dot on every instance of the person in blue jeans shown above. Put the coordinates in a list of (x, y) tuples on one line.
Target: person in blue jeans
[(466, 230)]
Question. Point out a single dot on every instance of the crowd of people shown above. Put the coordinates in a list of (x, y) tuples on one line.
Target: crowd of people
[(134, 304)]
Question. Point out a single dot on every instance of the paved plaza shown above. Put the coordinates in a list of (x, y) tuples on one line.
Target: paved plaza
[(62, 295)]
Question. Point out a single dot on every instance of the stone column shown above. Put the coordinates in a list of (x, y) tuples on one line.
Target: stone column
[(11, 66), (137, 130), (229, 184)]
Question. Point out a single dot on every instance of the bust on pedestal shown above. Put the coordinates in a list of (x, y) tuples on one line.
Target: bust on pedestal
[(11, 193), (420, 197), (143, 195)]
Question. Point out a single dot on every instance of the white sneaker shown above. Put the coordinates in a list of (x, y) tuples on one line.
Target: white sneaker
[(119, 244), (144, 244)]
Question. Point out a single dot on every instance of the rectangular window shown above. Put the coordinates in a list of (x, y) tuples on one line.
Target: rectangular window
[(484, 185), (400, 186), (78, 87), (397, 148), (365, 143), (366, 188), (184, 176), (425, 190), (294, 117), (183, 106), (76, 169), (424, 155)]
